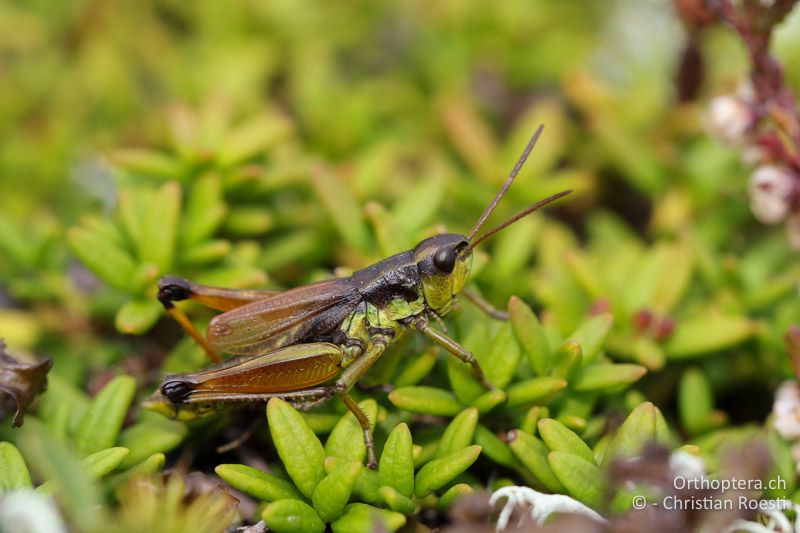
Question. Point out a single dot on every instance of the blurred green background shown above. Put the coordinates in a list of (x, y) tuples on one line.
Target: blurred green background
[(268, 143)]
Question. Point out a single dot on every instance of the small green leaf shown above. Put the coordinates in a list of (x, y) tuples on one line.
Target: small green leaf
[(500, 362), (300, 450), (428, 400), (416, 369), (592, 335), (107, 260), (391, 239), (205, 210), (452, 494), (13, 470), (253, 138), (532, 453), (494, 448), (531, 336), (366, 486), (489, 400), (463, 383), (708, 333), (148, 163), (583, 479), (205, 252), (534, 390), (292, 516), (53, 459), (558, 438), (148, 467), (96, 465), (321, 423), (695, 401), (346, 441), (105, 461), (101, 424), (248, 221), (567, 359), (160, 227), (363, 518), (396, 501), (153, 434), (333, 492), (439, 472), (638, 429), (256, 483), (418, 206), (341, 205), (396, 466), (137, 316), (604, 377), (458, 434)]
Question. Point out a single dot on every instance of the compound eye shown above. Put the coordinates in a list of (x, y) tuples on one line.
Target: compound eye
[(445, 259)]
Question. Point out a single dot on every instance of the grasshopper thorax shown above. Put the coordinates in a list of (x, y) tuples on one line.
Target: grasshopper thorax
[(443, 262)]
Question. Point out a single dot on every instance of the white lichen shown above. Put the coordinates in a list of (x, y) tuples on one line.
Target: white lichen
[(542, 506)]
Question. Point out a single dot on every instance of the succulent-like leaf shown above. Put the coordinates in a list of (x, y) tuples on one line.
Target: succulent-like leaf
[(333, 492), (101, 424), (292, 516), (346, 441), (396, 466), (439, 472), (363, 518), (583, 479), (13, 470), (534, 390), (708, 333), (428, 400), (531, 336), (494, 448), (606, 377), (453, 493), (532, 453), (340, 204), (300, 450), (639, 428), (591, 336), (458, 434), (396, 501), (256, 483), (151, 435), (558, 438)]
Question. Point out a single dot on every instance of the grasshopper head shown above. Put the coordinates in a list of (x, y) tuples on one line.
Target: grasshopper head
[(443, 262)]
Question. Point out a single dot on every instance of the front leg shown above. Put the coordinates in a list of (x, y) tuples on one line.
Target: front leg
[(454, 348)]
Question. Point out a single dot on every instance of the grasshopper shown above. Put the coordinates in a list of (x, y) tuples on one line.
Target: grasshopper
[(294, 343)]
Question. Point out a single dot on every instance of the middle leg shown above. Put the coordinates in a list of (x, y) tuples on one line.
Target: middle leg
[(349, 378)]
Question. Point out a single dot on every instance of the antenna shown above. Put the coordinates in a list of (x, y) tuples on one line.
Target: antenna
[(506, 185), (525, 212)]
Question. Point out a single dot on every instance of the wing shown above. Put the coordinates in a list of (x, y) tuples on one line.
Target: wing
[(281, 319)]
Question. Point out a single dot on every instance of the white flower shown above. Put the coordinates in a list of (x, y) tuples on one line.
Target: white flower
[(771, 192), (730, 119), (686, 465), (542, 505), (787, 410), (26, 511)]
